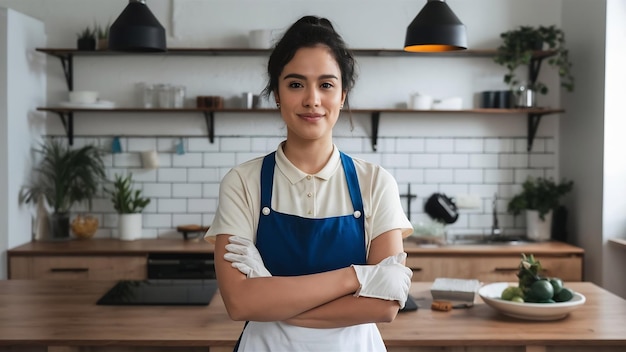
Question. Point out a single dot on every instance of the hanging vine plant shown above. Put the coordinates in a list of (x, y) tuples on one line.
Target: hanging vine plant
[(517, 50)]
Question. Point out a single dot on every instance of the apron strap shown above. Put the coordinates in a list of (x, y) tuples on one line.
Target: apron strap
[(353, 182), (267, 180)]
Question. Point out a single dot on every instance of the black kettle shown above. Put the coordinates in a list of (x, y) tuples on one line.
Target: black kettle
[(441, 208)]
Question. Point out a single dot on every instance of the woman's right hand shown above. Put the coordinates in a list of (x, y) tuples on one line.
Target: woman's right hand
[(390, 279)]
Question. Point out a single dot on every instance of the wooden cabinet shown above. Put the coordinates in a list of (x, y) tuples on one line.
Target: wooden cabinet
[(78, 267), (491, 269)]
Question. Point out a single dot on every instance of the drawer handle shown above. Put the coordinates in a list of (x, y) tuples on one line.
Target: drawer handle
[(416, 269), (69, 270), (505, 269)]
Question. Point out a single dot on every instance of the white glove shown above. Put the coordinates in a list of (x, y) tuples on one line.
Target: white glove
[(389, 279), (244, 256)]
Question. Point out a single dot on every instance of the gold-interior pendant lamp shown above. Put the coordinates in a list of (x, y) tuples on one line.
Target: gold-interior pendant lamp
[(435, 28), (137, 30)]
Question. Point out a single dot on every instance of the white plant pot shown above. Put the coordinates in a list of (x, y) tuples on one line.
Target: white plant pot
[(130, 226), (537, 229)]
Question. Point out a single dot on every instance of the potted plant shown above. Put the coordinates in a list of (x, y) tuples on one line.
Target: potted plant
[(64, 177), (539, 197), (86, 39), (129, 204), (518, 46), (102, 34)]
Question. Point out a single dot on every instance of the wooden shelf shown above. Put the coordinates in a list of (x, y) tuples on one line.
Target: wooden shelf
[(66, 56), (262, 52), (67, 116)]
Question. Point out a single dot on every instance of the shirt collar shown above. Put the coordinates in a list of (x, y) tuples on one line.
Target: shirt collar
[(294, 175)]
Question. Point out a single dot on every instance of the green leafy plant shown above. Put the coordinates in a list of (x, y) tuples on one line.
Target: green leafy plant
[(517, 50), (87, 33), (539, 194), (65, 176), (102, 32), (125, 199)]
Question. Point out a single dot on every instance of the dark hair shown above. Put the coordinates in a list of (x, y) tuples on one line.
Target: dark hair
[(307, 32)]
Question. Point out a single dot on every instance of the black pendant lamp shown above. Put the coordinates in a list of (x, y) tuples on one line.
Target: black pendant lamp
[(435, 28), (136, 29)]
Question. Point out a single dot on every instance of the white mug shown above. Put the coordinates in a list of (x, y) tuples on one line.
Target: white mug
[(420, 102), (150, 159)]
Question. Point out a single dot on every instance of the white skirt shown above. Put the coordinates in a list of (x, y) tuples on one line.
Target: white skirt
[(279, 337)]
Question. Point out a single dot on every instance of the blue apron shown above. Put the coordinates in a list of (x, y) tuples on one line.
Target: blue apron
[(291, 245)]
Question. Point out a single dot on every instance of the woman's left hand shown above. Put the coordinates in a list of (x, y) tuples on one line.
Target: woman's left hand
[(245, 257)]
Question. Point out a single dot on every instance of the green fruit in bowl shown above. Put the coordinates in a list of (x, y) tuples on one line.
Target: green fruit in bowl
[(540, 291), (511, 292), (564, 295), (557, 284)]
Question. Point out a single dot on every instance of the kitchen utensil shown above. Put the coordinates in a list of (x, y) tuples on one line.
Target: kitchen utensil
[(491, 293), (441, 208)]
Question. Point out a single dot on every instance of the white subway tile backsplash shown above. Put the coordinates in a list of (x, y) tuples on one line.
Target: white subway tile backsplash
[(219, 159), (484, 161), (122, 160), (542, 160), (498, 176), (513, 160), (232, 144), (439, 176), (157, 220), (453, 160), (424, 160), (440, 145), (187, 190), (469, 145), (157, 190), (499, 145), (395, 161), (203, 175), (411, 145), (136, 144), (186, 219), (169, 205), (172, 175), (202, 205), (210, 190), (468, 176), (187, 160)]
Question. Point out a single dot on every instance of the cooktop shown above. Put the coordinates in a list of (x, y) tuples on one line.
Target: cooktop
[(160, 292)]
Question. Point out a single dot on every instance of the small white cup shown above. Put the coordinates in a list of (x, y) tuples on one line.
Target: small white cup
[(83, 97), (150, 159), (420, 102)]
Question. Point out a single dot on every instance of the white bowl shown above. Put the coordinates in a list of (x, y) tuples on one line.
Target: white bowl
[(490, 294), (83, 97)]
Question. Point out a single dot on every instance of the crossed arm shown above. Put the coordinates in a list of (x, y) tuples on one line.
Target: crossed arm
[(323, 300)]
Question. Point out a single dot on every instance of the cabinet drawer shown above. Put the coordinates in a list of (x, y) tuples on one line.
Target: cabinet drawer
[(80, 267), (491, 269)]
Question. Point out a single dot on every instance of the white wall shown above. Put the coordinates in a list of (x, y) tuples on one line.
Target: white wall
[(614, 202), (22, 73)]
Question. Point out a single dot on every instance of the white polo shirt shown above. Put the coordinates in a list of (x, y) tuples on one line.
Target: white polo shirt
[(321, 195)]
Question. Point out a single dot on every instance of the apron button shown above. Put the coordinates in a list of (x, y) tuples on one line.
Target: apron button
[(357, 214), (266, 211)]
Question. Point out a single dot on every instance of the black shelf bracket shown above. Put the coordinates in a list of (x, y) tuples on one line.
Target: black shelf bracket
[(67, 61), (375, 122), (533, 125), (209, 117), (67, 118)]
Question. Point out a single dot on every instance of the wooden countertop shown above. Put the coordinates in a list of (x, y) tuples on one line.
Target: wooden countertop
[(145, 246), (64, 313)]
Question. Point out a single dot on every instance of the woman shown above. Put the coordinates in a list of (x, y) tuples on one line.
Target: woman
[(308, 241)]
